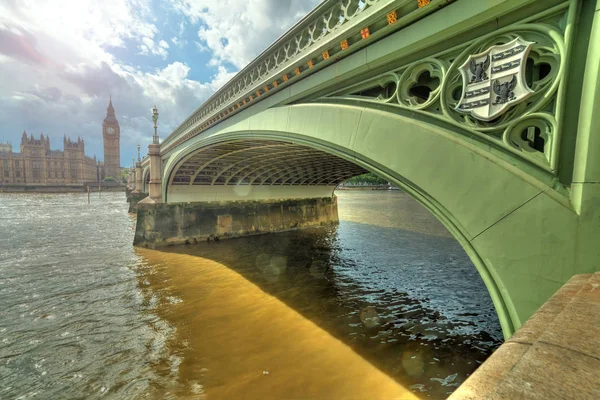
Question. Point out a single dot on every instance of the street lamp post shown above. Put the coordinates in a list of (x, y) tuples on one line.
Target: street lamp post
[(155, 162), (138, 173), (133, 171), (155, 120)]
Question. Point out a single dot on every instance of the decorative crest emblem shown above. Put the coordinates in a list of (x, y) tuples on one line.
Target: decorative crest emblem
[(494, 80)]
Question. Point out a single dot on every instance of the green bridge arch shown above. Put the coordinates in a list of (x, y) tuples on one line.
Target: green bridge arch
[(519, 191), (521, 233)]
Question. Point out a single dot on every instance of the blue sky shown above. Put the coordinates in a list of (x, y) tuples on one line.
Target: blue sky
[(61, 59)]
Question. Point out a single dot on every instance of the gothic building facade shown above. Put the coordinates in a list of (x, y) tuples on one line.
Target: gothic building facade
[(111, 133), (38, 165)]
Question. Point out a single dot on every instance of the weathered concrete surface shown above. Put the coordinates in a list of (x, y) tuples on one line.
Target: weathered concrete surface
[(133, 198), (555, 355), (176, 223)]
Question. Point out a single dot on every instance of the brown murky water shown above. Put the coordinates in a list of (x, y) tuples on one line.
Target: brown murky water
[(238, 342), (365, 310), (384, 306)]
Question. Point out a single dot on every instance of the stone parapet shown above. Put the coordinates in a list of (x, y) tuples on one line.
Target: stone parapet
[(555, 354), (161, 224)]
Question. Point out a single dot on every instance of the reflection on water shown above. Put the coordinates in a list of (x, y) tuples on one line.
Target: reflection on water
[(408, 303), (238, 342), (389, 209), (73, 321), (384, 306)]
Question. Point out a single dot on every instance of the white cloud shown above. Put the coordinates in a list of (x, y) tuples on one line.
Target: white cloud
[(148, 46), (236, 32), (178, 42), (87, 25), (202, 48), (58, 72)]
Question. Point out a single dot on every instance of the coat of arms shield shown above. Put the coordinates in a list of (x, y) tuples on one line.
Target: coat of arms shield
[(495, 80)]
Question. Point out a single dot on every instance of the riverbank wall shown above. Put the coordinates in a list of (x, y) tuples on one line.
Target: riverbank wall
[(367, 187), (555, 354), (94, 187), (185, 223)]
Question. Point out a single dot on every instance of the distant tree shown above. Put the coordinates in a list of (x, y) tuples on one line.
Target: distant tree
[(109, 179), (366, 179)]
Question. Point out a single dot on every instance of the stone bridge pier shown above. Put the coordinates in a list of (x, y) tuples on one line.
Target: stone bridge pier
[(185, 223), (241, 188)]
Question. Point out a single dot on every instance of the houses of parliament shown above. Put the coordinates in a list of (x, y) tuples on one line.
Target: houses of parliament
[(38, 165)]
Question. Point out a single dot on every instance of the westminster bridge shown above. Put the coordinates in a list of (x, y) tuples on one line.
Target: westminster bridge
[(483, 111)]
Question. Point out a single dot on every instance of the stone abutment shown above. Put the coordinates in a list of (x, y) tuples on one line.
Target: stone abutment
[(163, 224)]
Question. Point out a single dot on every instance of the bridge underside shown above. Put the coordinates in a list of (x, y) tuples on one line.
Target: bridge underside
[(258, 169)]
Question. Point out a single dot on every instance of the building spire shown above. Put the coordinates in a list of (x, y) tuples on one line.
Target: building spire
[(110, 111)]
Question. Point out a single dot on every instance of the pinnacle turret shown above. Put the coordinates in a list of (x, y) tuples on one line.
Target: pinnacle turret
[(110, 111)]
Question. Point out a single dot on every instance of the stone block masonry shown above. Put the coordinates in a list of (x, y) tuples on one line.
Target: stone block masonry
[(555, 354), (133, 199), (178, 223)]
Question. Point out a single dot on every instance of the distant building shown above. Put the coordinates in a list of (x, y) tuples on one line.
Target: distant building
[(111, 134), (5, 148), (37, 164)]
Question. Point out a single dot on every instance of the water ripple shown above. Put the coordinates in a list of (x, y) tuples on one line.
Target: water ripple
[(73, 322)]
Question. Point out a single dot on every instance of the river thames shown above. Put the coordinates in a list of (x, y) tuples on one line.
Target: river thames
[(386, 305)]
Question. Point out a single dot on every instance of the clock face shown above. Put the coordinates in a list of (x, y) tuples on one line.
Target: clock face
[(110, 130)]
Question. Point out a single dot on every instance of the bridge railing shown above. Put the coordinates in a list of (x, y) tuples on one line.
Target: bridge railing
[(334, 29), (145, 161)]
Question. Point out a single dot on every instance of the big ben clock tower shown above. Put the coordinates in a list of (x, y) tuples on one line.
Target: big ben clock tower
[(111, 134)]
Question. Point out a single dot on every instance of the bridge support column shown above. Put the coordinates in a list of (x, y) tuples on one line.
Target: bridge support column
[(138, 177), (133, 179), (184, 223), (137, 193), (155, 173)]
